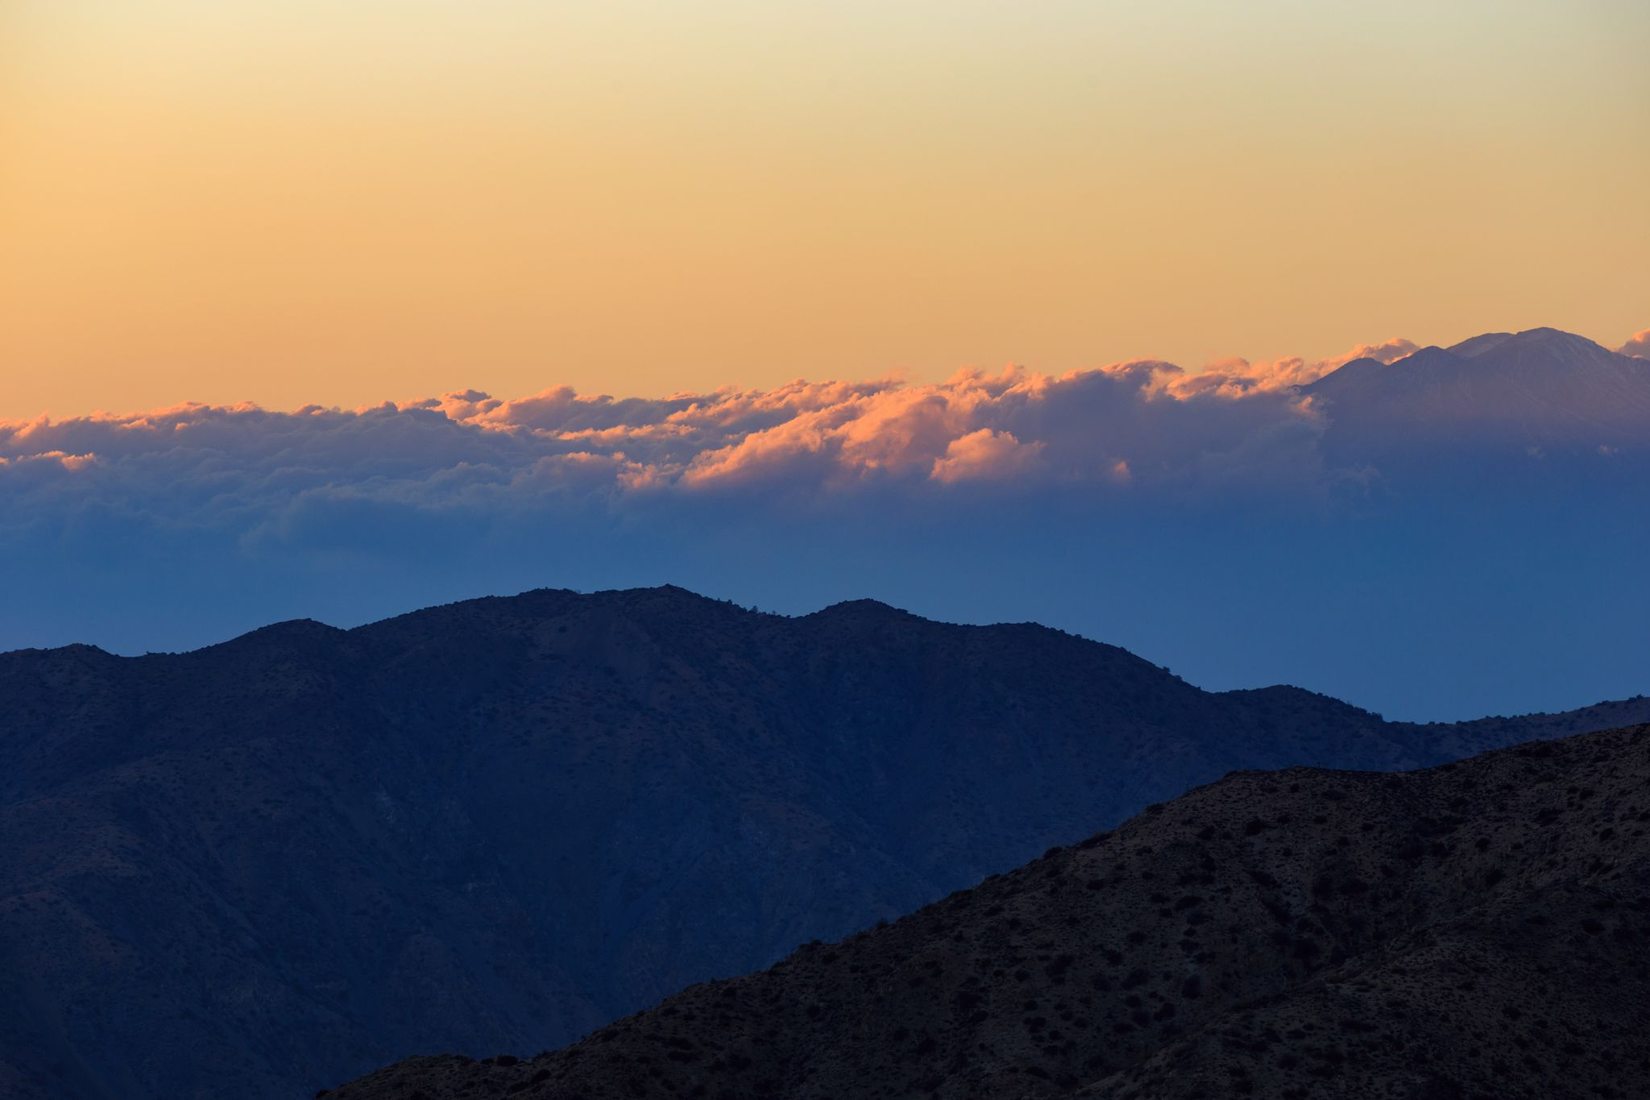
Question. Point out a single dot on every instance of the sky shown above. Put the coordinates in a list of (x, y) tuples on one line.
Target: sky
[(222, 201), (339, 310)]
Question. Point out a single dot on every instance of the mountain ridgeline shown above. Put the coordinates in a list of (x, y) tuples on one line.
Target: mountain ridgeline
[(1541, 393), (1480, 931), (270, 865)]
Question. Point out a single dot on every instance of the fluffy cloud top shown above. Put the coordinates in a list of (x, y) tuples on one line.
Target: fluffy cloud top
[(1141, 423), (985, 454), (1235, 377), (1138, 431), (1638, 346)]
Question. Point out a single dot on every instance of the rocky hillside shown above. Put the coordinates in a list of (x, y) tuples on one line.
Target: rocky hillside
[(271, 865), (1476, 930)]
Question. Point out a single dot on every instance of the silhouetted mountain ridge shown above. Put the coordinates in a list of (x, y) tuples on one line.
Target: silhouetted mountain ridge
[(1477, 930), (267, 865)]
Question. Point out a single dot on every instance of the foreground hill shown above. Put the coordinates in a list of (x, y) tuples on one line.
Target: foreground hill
[(1477, 930), (270, 865)]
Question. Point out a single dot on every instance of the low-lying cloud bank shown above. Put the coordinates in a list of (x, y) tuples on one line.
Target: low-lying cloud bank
[(1142, 431), (1135, 426)]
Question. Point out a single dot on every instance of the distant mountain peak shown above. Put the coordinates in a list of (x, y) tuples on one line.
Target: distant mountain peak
[(1553, 346), (1427, 356), (1478, 345), (1541, 387), (668, 595), (1545, 339), (75, 649), (288, 629), (863, 606), (671, 590), (1546, 333)]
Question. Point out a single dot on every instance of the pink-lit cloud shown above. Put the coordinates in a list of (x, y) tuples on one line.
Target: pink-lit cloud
[(266, 474), (1140, 423), (1235, 377), (1638, 346), (985, 454), (1151, 426)]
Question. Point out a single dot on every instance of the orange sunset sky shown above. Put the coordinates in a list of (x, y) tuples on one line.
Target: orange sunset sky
[(216, 200)]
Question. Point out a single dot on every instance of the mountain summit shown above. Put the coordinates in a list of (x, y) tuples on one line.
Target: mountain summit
[(1537, 388)]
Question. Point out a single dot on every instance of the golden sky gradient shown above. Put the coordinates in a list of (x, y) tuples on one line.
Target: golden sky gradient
[(218, 200)]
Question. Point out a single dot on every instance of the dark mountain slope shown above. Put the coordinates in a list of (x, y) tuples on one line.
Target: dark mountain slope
[(1478, 930), (268, 865)]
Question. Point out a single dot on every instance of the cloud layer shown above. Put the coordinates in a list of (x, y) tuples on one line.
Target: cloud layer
[(1127, 425), (1142, 432)]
